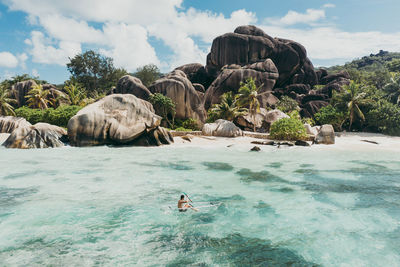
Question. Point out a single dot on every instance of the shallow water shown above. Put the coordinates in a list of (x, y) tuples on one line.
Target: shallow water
[(116, 207)]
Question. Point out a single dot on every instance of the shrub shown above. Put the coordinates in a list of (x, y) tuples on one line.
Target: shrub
[(32, 115), (384, 117), (164, 106), (190, 124), (330, 115), (288, 129), (287, 104), (182, 129), (59, 116)]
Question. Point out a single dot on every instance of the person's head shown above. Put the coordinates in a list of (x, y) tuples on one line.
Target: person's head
[(182, 197)]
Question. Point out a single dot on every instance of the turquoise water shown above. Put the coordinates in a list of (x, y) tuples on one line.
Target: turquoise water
[(107, 206)]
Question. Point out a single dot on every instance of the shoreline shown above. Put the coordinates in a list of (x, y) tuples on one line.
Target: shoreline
[(343, 141)]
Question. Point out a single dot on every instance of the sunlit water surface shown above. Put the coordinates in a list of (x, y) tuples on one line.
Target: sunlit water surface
[(109, 206)]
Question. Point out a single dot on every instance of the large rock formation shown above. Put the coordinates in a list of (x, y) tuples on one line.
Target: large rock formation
[(249, 44), (264, 73), (131, 85), (9, 123), (118, 119), (197, 73), (221, 128), (189, 103), (20, 90), (40, 135)]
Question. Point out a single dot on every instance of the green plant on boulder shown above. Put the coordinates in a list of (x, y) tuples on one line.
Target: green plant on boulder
[(165, 107), (59, 116), (290, 129)]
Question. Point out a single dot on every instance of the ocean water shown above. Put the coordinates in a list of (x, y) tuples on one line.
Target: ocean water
[(106, 206)]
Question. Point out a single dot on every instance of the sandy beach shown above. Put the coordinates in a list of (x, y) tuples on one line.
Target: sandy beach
[(344, 141)]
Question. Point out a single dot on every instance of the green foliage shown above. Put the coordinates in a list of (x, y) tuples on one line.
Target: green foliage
[(369, 63), (349, 102), (384, 117), (183, 129), (287, 104), (148, 74), (8, 83), (288, 129), (392, 89), (394, 65), (330, 115), (37, 97), (76, 93), (228, 109), (190, 124), (94, 72), (164, 106), (59, 116), (6, 108)]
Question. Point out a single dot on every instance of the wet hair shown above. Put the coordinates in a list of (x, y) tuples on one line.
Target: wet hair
[(182, 196)]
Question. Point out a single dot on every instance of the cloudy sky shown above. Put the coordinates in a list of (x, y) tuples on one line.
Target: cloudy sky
[(38, 36)]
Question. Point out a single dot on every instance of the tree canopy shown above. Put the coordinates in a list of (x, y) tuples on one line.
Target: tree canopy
[(95, 72), (147, 74)]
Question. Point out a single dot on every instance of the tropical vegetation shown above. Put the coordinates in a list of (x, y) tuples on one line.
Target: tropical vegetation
[(288, 129)]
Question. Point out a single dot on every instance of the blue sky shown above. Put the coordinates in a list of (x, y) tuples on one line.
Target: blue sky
[(38, 36)]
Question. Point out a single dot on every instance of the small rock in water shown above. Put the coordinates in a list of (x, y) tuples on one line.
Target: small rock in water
[(372, 142), (256, 148), (285, 144), (301, 143), (187, 138), (265, 143)]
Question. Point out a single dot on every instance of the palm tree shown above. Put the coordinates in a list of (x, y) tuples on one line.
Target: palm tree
[(247, 98), (228, 109), (75, 92), (38, 97), (6, 109), (353, 98), (393, 89)]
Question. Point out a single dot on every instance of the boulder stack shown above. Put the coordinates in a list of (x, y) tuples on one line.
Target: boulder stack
[(189, 103)]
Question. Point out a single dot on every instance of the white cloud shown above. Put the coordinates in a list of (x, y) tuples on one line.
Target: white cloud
[(129, 46), (43, 51), (8, 60), (293, 17), (332, 43), (22, 59), (329, 5), (124, 27), (71, 30), (35, 73)]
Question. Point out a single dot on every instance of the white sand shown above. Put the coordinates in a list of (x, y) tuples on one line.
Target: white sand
[(3, 137), (346, 141)]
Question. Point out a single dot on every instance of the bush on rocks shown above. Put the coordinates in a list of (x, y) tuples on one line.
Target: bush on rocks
[(288, 129), (59, 116)]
